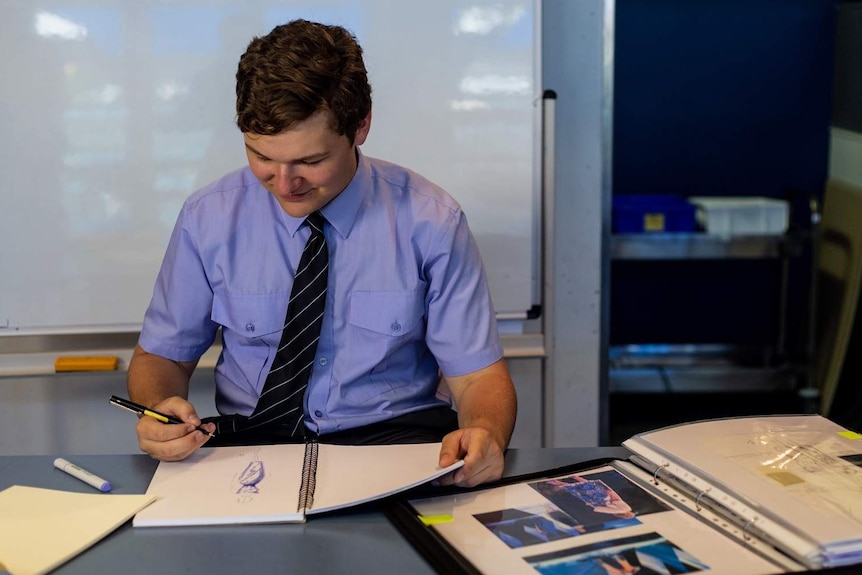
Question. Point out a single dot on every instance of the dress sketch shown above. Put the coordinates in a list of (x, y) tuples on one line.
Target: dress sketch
[(251, 476)]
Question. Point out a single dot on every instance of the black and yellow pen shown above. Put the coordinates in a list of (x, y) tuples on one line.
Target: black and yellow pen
[(141, 410)]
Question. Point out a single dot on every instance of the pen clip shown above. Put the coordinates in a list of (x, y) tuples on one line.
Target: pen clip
[(126, 404), (127, 408)]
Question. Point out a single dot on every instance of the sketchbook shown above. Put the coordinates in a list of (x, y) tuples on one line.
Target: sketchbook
[(749, 495), (282, 483)]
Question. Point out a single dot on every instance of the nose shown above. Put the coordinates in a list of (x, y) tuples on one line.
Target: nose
[(286, 179)]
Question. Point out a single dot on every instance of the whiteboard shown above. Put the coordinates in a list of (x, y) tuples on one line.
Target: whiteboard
[(113, 112)]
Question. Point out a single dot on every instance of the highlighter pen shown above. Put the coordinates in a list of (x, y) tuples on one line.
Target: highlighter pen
[(141, 410), (83, 475)]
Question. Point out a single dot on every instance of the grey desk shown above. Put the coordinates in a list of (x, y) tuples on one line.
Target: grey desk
[(355, 541)]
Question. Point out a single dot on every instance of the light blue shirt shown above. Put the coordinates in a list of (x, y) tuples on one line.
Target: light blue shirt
[(407, 294)]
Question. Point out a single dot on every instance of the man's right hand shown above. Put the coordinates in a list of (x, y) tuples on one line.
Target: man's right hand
[(172, 441)]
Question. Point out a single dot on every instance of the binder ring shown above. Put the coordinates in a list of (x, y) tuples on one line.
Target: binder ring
[(697, 500), (655, 474), (745, 527)]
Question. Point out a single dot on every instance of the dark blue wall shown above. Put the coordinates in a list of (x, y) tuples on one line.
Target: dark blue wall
[(718, 97)]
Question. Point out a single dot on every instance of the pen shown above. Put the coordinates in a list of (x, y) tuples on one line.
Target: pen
[(83, 475), (141, 410)]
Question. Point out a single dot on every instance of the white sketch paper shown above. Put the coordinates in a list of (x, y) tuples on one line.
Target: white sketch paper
[(261, 484)]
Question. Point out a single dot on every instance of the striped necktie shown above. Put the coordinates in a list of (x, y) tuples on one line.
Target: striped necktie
[(281, 400)]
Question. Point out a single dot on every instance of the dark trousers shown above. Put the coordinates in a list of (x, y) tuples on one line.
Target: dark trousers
[(426, 426)]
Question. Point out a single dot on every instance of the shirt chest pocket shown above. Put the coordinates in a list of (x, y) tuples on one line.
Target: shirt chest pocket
[(251, 328), (390, 313), (252, 316)]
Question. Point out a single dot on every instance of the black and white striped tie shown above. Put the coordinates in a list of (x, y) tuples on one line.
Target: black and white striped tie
[(281, 400)]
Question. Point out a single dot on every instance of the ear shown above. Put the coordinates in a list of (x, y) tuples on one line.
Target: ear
[(362, 130)]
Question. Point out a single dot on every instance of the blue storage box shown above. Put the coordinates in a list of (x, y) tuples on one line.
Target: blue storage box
[(650, 213)]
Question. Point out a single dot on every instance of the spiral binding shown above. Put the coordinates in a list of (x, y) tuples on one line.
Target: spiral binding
[(309, 476)]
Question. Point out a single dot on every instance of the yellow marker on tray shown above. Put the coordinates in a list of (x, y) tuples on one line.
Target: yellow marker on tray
[(86, 363)]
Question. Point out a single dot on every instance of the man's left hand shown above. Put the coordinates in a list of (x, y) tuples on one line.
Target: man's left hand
[(482, 455)]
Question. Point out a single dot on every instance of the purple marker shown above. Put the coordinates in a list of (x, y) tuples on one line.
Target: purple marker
[(83, 475)]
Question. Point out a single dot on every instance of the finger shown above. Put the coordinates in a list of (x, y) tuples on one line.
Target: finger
[(451, 451), (484, 462), (168, 442), (179, 407), (444, 480), (175, 449), (152, 429), (473, 475), (473, 472), (457, 445)]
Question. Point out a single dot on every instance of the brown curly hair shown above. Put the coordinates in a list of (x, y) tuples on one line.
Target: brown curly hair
[(296, 70)]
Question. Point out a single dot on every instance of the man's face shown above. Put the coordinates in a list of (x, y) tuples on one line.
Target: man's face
[(306, 166)]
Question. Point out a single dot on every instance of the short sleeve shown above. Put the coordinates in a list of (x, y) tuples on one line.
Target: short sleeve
[(462, 327), (177, 324)]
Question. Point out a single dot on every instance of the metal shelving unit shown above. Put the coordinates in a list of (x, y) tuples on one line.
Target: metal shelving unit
[(650, 368), (689, 246)]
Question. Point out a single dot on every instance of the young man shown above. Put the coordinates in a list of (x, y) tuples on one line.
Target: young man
[(406, 298)]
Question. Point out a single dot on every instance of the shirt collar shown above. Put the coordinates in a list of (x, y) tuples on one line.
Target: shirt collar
[(342, 210)]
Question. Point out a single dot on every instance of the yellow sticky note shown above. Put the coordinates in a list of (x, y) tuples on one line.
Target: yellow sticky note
[(435, 519), (850, 434)]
